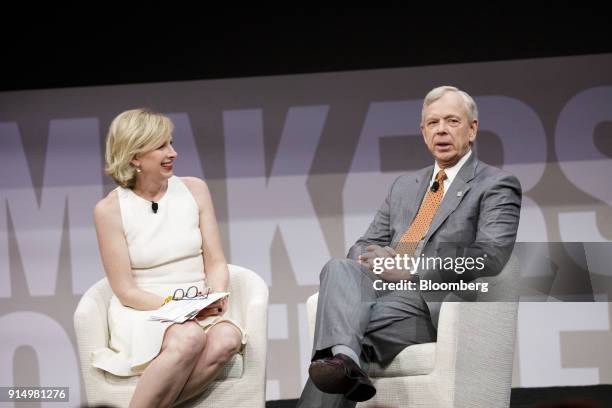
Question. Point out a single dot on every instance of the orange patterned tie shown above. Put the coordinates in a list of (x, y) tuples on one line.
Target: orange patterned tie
[(417, 230)]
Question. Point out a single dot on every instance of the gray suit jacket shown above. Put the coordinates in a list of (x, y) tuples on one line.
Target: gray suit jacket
[(479, 214)]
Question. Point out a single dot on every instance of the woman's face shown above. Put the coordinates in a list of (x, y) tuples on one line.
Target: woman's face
[(158, 162)]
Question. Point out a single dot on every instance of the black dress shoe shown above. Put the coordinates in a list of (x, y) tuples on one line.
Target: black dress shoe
[(340, 375)]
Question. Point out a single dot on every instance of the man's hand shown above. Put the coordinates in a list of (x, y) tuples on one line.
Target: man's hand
[(374, 251), (388, 275)]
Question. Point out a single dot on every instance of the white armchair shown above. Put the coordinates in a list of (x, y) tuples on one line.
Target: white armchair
[(242, 381), (470, 365)]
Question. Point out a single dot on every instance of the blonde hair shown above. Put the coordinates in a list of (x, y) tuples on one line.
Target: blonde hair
[(133, 132), (470, 106)]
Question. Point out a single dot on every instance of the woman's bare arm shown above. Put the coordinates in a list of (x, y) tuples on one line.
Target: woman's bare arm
[(115, 256), (215, 265)]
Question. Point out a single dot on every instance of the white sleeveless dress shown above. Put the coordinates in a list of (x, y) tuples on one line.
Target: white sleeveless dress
[(165, 251)]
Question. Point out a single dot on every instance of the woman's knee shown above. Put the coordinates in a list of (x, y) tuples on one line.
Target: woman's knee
[(225, 342), (186, 340)]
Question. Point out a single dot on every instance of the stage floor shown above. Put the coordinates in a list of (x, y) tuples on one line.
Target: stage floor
[(591, 396)]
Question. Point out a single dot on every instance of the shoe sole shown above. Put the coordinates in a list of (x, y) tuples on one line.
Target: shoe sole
[(332, 379), (361, 392)]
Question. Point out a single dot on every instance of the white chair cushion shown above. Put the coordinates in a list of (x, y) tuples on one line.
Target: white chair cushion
[(418, 359)]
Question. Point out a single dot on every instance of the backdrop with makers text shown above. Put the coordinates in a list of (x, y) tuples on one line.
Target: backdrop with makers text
[(297, 166)]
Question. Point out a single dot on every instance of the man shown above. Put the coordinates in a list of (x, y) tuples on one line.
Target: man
[(458, 207)]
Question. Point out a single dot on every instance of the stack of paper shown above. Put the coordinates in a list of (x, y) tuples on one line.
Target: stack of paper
[(182, 310)]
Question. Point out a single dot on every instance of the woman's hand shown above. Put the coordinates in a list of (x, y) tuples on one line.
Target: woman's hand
[(214, 309)]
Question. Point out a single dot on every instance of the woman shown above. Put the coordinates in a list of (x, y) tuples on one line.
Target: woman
[(158, 233)]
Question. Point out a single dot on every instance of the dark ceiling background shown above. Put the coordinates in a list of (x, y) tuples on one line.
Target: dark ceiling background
[(105, 44)]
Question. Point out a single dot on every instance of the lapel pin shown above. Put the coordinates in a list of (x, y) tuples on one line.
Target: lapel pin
[(459, 193)]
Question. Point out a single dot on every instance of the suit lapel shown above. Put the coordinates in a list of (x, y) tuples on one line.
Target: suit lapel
[(416, 192), (458, 189), (422, 182)]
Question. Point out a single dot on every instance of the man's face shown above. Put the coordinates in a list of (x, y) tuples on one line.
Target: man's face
[(446, 129)]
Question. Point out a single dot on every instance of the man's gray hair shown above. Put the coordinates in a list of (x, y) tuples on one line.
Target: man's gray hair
[(470, 106)]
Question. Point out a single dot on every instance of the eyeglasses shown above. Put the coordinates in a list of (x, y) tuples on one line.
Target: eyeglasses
[(192, 293)]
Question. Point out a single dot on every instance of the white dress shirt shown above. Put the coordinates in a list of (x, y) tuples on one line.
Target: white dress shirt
[(451, 172)]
